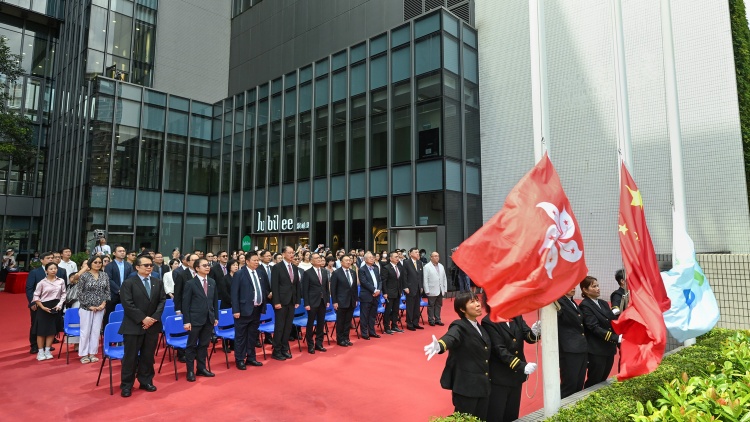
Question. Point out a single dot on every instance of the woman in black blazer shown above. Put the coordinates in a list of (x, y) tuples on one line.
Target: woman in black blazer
[(467, 370), (601, 339), (508, 366)]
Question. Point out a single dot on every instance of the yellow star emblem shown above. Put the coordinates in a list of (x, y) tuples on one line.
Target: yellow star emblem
[(637, 199), (623, 228)]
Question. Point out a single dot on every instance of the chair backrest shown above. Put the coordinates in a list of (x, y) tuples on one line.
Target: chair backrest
[(270, 314), (71, 317), (173, 325), (111, 335), (219, 304), (300, 310), (116, 316), (226, 318), (169, 302), (167, 312), (119, 307)]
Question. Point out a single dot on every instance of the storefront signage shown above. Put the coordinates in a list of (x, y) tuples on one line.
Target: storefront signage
[(276, 224), (246, 243)]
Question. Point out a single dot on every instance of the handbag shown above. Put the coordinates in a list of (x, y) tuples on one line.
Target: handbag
[(72, 295)]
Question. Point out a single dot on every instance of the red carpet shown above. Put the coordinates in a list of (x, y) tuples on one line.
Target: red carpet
[(381, 378)]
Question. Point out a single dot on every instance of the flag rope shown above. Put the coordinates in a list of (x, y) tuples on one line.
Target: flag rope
[(536, 349)]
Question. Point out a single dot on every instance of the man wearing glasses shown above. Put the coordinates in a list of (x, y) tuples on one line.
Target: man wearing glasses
[(143, 301), (219, 269), (200, 303)]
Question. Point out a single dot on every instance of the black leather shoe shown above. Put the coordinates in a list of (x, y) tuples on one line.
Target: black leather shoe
[(419, 327), (310, 350), (365, 337), (440, 323), (181, 359), (55, 340), (287, 355), (411, 329), (205, 373), (432, 324), (389, 332), (34, 350), (349, 343), (320, 348), (240, 365), (253, 363), (125, 392), (398, 330), (278, 356), (51, 349), (191, 376), (148, 387), (342, 344), (375, 335)]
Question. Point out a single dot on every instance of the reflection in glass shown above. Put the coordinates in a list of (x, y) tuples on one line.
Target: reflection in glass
[(151, 159), (338, 149), (274, 154), (452, 131), (358, 128), (401, 144), (402, 211), (119, 35), (400, 64), (97, 28), (429, 129), (289, 149), (175, 163), (262, 157), (378, 140), (125, 162), (427, 55), (303, 148)]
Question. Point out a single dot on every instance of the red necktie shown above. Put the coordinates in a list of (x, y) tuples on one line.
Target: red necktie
[(291, 277), (205, 287), (320, 279), (395, 267)]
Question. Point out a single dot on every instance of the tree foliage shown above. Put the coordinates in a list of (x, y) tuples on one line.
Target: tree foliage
[(15, 128), (741, 44)]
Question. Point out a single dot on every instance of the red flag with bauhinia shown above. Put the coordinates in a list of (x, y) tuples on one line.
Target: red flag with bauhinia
[(644, 335), (531, 252)]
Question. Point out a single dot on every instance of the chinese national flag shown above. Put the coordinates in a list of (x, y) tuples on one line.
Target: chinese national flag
[(531, 252), (644, 335)]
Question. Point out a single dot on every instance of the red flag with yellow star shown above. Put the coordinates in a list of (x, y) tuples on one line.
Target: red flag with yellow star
[(531, 252), (644, 334)]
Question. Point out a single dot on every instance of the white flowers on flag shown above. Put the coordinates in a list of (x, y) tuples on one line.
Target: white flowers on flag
[(562, 229)]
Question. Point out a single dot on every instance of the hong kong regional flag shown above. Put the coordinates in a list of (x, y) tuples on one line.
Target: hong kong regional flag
[(644, 334), (531, 252)]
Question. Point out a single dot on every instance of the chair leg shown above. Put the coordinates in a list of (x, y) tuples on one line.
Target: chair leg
[(299, 346), (355, 323), (263, 344), (67, 348), (325, 325), (59, 352), (226, 351), (111, 390), (162, 358), (104, 359), (174, 360), (158, 344)]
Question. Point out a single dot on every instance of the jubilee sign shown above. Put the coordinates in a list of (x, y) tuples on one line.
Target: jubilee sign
[(276, 224)]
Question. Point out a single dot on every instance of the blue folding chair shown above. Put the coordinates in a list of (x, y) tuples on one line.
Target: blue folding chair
[(422, 304), (225, 331), (381, 311), (169, 302), (266, 328), (119, 307), (330, 317), (166, 313), (176, 338), (300, 321), (356, 319), (72, 328), (116, 316), (113, 348)]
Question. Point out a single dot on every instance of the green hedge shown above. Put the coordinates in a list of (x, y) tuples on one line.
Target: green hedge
[(456, 417), (619, 400), (741, 45)]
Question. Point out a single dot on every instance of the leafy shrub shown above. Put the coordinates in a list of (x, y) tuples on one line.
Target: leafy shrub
[(618, 401), (79, 257), (456, 417), (724, 394)]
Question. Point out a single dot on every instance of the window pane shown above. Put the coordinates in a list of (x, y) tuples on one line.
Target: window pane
[(401, 143), (378, 45), (379, 101), (126, 156), (428, 124), (402, 211), (400, 36), (428, 87), (471, 72), (378, 72), (290, 103), (119, 35), (378, 140), (450, 24), (430, 208), (452, 131), (338, 61), (338, 91), (305, 74), (358, 53), (450, 54), (401, 95), (275, 108), (151, 158), (305, 97), (473, 145), (97, 28), (427, 25), (427, 55), (400, 64), (274, 154), (358, 128), (358, 79), (262, 157), (303, 147), (358, 107), (321, 67), (338, 150), (153, 118), (470, 37), (321, 92), (321, 142)]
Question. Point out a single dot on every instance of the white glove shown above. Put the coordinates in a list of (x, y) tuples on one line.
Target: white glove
[(432, 349), (619, 339), (537, 328), (616, 311), (529, 369)]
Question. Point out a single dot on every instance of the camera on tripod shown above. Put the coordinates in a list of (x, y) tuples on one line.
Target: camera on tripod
[(99, 234)]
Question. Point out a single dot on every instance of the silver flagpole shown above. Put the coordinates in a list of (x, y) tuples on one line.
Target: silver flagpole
[(540, 105), (673, 116)]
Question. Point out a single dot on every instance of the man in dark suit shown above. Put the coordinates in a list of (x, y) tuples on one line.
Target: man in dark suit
[(616, 298), (200, 304), (316, 294), (160, 268), (392, 277), (344, 294), (118, 271), (414, 282), (180, 276), (369, 296), (143, 301), (35, 276), (249, 295), (286, 288), (571, 339), (219, 269), (264, 272)]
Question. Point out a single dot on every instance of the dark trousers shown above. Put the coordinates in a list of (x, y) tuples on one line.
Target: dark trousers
[(464, 283), (245, 335), (138, 359), (572, 372), (390, 316), (412, 310), (367, 313), (282, 328), (343, 323), (32, 333), (505, 403), (197, 346), (434, 306), (476, 406), (598, 369), (316, 316)]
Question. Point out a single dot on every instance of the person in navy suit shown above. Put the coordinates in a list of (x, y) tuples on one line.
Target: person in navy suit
[(143, 301), (200, 304), (249, 297), (118, 271), (392, 276), (286, 288), (317, 296), (413, 285), (369, 296), (571, 339), (35, 276), (344, 296)]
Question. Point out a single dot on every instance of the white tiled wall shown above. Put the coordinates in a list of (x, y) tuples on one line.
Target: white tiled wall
[(729, 277), (583, 123)]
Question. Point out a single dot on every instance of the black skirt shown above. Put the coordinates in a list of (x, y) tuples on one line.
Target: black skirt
[(45, 323)]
